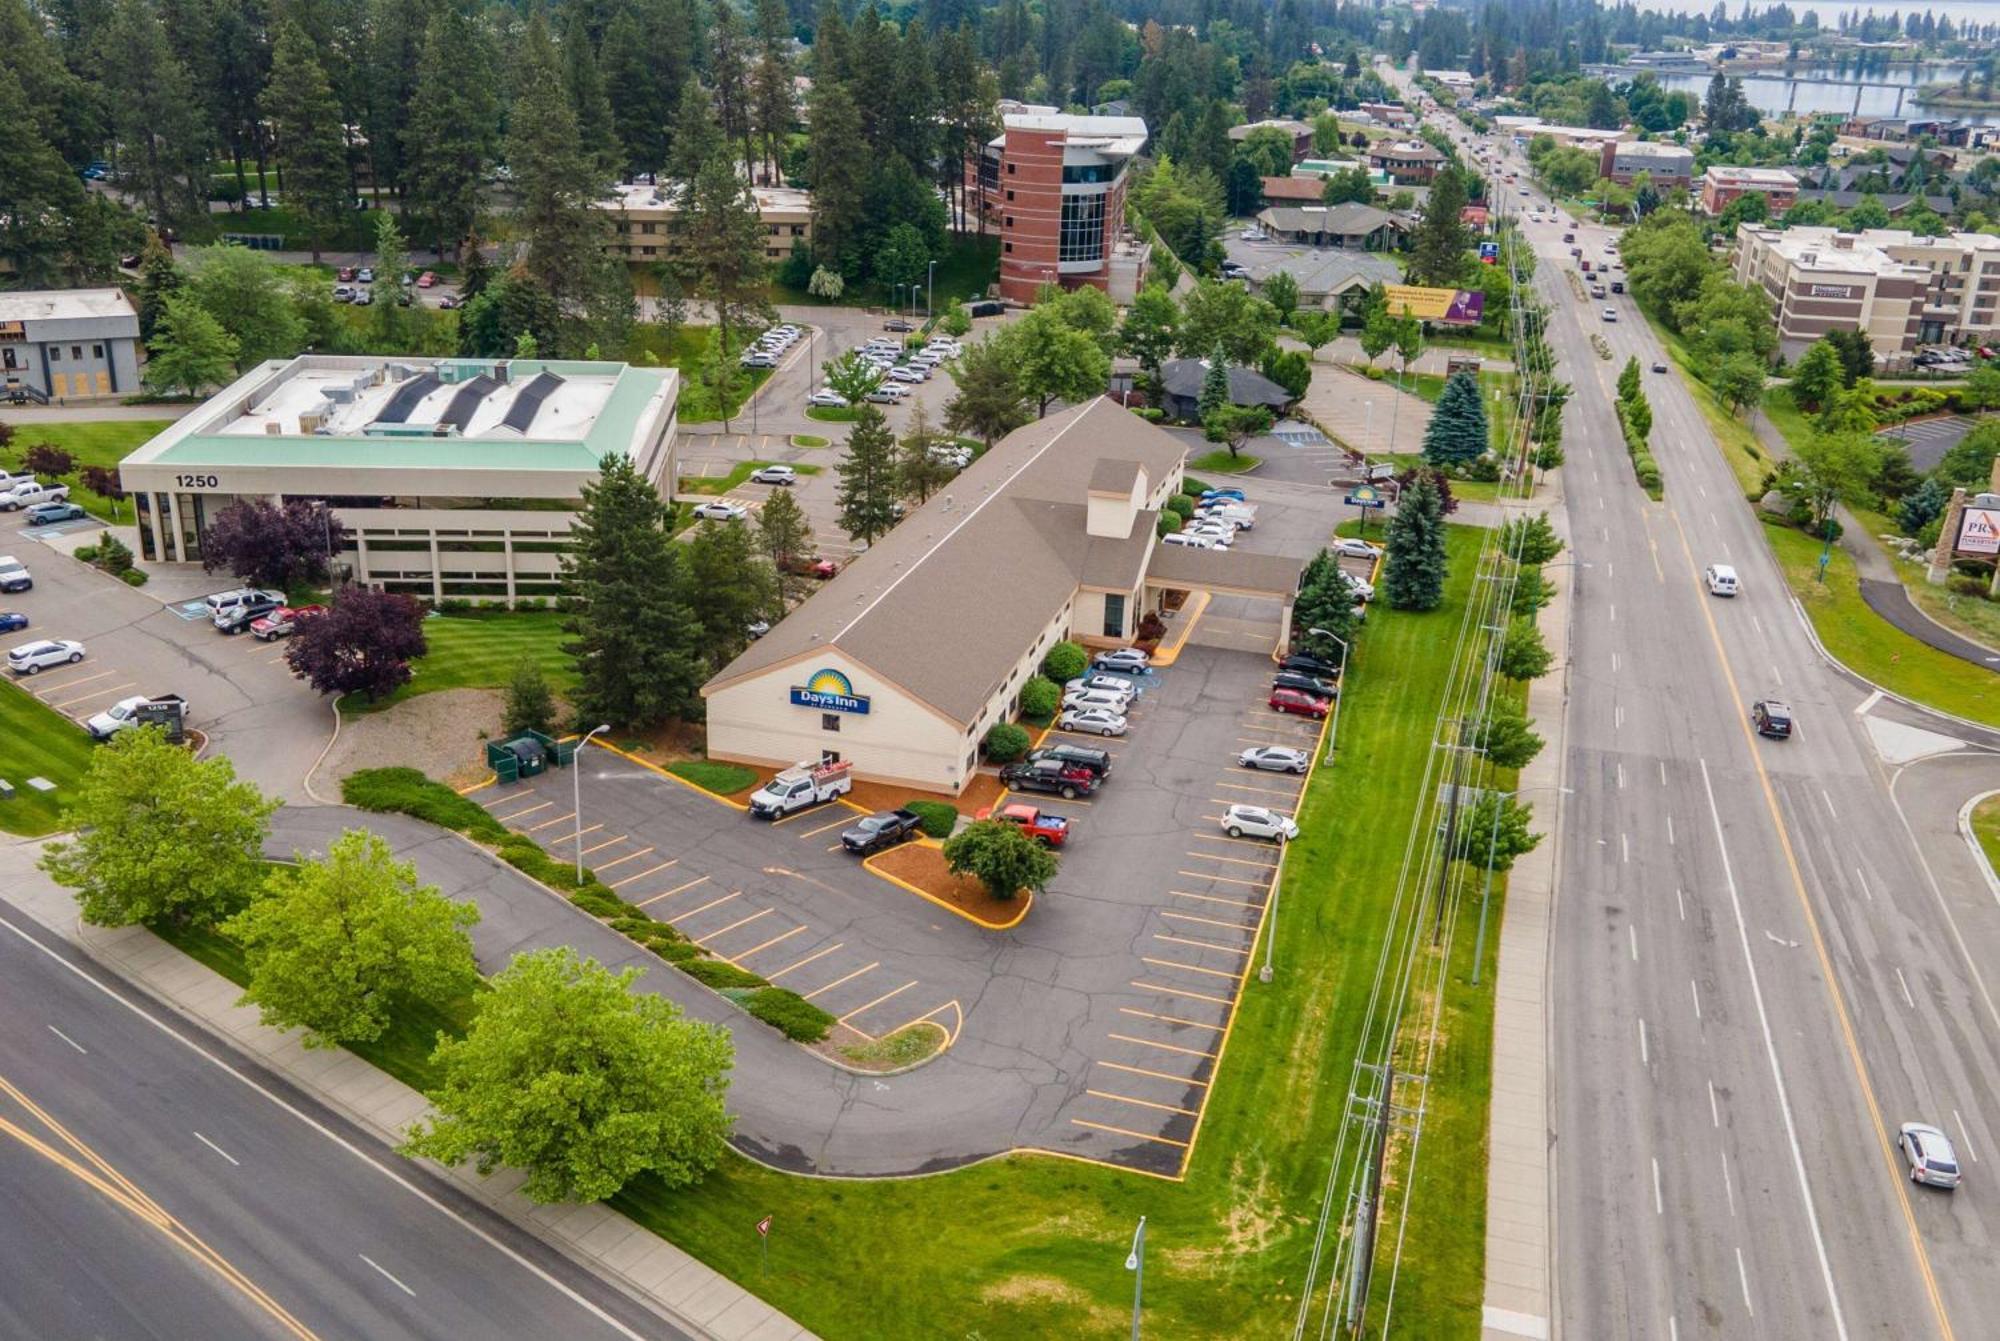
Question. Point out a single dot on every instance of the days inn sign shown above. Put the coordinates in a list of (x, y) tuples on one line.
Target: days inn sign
[(830, 691)]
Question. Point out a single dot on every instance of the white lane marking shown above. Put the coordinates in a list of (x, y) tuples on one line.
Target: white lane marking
[(1610, 570), (1673, 1329), (320, 1129), (1670, 831), (1663, 772), (1771, 1055), (218, 1150), (1728, 1187), (1614, 613), (1632, 934), (1618, 717), (1614, 663), (1964, 1136), (386, 1276), (1645, 1049), (1743, 1274), (1625, 846), (1827, 797), (1867, 703), (1864, 884), (1604, 533), (1758, 622), (1908, 1000), (67, 1039), (1680, 902), (1715, 1115), (1659, 1202), (1621, 777), (1704, 488), (1694, 990), (1600, 502), (1777, 675)]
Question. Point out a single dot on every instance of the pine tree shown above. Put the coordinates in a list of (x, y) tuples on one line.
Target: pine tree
[(1457, 431), (728, 72), (1214, 386), (155, 115), (389, 322), (39, 194), (450, 141), (305, 123), (1414, 571), (867, 493), (1628, 379), (159, 279), (584, 83), (1437, 252), (785, 536), (634, 638), (639, 109), (721, 250), (773, 104), (841, 172), (558, 183)]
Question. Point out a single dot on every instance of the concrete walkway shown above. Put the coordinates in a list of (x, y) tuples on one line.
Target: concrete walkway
[(691, 1295), (1520, 1194)]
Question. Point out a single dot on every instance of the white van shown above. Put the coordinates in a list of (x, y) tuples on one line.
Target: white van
[(1721, 579)]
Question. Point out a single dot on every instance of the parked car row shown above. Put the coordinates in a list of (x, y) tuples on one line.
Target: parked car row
[(772, 345), (258, 610)]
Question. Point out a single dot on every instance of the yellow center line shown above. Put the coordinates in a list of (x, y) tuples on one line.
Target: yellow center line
[(801, 963), (1210, 921), (1181, 991), (712, 903), (1165, 1047), (1143, 1103), (733, 925), (1833, 991), (700, 879), (838, 981), (1205, 945), (767, 944), (1169, 1019), (599, 847), (1189, 968), (650, 870), (1157, 1075), (1123, 1131), (1213, 898), (560, 819), (630, 856), (878, 1001)]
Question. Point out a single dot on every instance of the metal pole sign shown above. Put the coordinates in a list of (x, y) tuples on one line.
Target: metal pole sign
[(764, 1244), (1368, 498)]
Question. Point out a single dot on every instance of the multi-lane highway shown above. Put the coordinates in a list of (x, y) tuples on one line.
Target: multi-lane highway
[(1759, 970), (154, 1188)]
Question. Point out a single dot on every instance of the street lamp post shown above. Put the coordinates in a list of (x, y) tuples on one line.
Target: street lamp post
[(1135, 1262), (1340, 684), (930, 288), (576, 794)]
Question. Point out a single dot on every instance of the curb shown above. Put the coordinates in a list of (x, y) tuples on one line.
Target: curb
[(1843, 668), (868, 864), (1972, 841)]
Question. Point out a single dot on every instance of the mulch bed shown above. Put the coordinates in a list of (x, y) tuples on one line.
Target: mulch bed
[(923, 866)]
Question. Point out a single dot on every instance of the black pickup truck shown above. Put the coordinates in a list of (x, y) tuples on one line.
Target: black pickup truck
[(884, 828)]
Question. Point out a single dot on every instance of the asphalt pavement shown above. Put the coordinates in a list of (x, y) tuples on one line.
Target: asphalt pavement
[(159, 1185), (1759, 970)]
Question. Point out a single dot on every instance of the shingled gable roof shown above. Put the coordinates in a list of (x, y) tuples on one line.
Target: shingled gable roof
[(945, 604)]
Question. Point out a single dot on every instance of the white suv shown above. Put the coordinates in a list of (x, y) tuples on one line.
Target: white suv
[(228, 602), (31, 658)]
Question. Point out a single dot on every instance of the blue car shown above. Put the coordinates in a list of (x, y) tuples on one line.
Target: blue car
[(11, 620), (43, 514), (1213, 495)]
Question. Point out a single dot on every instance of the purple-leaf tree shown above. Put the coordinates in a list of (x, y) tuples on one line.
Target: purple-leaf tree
[(45, 458), (269, 545), (362, 645)]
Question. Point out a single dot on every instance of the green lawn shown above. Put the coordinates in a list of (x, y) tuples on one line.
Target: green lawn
[(92, 442), (1871, 646), (808, 440), (722, 484), (833, 414), (1986, 827), (963, 273), (688, 351), (722, 779), (1223, 462), (480, 651), (41, 743)]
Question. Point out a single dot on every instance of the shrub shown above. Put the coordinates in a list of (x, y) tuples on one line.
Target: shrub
[(1966, 585), (133, 577), (113, 554), (1167, 524), (85, 553), (407, 791), (595, 903), (789, 1013), (1484, 469), (1065, 662), (1152, 414), (1181, 506), (1194, 487), (1040, 697), (1548, 457), (938, 817), (1005, 742), (1151, 628), (671, 950), (718, 974)]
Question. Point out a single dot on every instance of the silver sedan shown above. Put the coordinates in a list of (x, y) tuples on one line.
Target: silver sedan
[(1275, 759)]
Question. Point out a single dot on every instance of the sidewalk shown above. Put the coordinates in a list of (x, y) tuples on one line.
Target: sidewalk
[(1520, 1193), (688, 1293)]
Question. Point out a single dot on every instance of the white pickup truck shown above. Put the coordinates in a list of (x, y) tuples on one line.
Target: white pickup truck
[(808, 784), (125, 713), (24, 493)]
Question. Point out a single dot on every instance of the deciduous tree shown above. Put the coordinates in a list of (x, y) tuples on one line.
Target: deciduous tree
[(1054, 360), (335, 945), (1523, 654), (363, 644), (276, 546), (159, 834), (242, 290), (571, 1076), (1150, 328), (190, 350), (1530, 541), (989, 403), (1493, 831), (1001, 857), (1218, 315), (1505, 736), (785, 537)]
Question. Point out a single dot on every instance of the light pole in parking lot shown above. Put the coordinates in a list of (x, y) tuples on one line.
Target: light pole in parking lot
[(1135, 1262), (1339, 686), (576, 794), (930, 287)]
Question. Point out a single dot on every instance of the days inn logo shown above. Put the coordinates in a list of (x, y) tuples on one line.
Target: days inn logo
[(830, 691)]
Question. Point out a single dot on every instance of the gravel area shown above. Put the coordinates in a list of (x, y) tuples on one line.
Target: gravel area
[(443, 733)]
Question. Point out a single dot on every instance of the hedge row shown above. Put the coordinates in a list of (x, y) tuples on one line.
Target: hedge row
[(939, 818), (1643, 464), (407, 791)]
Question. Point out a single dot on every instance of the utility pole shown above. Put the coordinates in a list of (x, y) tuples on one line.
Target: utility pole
[(1459, 751), (1361, 1268)]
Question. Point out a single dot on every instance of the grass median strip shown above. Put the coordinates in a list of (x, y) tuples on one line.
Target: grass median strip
[(41, 743)]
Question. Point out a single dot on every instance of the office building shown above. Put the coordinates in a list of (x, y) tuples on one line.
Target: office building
[(1721, 185), (67, 345), (1055, 185), (648, 219), (1669, 167)]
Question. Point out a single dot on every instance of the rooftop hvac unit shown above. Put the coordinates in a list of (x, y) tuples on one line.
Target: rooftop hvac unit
[(339, 395), (273, 426), (499, 372), (311, 421)]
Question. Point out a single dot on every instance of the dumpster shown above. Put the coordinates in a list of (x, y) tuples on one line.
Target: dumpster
[(524, 756)]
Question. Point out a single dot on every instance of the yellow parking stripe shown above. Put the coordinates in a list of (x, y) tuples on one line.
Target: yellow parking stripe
[(1206, 945), (878, 1001), (504, 819), (1214, 898), (1164, 1047), (630, 856), (675, 890), (1122, 1131), (712, 903), (1268, 791), (1169, 1019), (1143, 1103), (1258, 843), (818, 954), (560, 819), (807, 813), (1181, 991), (572, 837), (703, 940), (1190, 968), (1157, 1075), (768, 944), (66, 684), (651, 870), (95, 693), (824, 827), (1211, 921), (1228, 879), (838, 981), (599, 847)]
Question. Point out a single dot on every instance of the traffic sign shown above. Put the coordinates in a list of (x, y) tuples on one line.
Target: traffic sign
[(764, 1227), (1367, 496)]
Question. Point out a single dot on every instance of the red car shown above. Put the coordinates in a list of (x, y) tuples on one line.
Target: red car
[(1296, 701), (1048, 830), (345, 274), (427, 280), (282, 621)]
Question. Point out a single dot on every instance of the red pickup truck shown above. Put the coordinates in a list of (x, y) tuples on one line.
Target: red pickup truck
[(1048, 830)]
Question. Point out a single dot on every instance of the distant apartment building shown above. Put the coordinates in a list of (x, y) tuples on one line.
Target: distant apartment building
[(1458, 81), (1407, 162), (1300, 134), (68, 345), (648, 219), (1390, 113), (1721, 185), (1591, 139), (1669, 167), (1055, 185)]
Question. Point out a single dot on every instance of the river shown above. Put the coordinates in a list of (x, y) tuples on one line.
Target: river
[(1771, 90)]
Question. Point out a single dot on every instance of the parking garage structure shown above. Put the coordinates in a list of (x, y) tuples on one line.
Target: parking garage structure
[(453, 478)]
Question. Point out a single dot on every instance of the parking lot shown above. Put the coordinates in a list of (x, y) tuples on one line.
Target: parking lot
[(1929, 439)]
